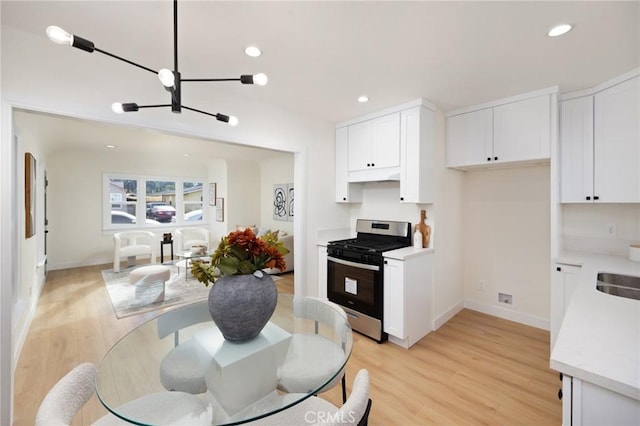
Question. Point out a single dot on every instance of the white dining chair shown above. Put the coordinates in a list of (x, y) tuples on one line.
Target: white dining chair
[(131, 244), (183, 367), (317, 411), (302, 373), (72, 391)]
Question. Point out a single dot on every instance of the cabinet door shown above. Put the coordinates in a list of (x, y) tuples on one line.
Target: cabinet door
[(416, 156), (470, 138), (345, 192), (522, 130), (386, 141), (360, 141), (563, 283), (576, 150), (617, 143), (393, 298)]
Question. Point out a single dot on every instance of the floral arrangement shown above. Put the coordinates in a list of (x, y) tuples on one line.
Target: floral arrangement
[(242, 253)]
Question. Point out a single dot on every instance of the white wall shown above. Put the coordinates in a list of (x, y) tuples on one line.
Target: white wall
[(584, 227), (507, 242), (243, 194)]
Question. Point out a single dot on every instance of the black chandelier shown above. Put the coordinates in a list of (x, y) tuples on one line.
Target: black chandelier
[(171, 80)]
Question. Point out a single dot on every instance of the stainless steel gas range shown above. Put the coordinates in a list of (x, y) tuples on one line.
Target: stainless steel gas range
[(355, 271)]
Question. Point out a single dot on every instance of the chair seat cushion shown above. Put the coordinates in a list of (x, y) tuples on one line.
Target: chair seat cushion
[(135, 250), (305, 374), (164, 408), (183, 368)]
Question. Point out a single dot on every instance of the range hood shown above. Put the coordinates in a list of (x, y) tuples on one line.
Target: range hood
[(375, 175)]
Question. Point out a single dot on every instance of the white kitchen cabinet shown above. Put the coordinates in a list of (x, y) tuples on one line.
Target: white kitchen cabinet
[(600, 145), (408, 299), (576, 150), (346, 192), (508, 131), (322, 272), (374, 144), (584, 403), (563, 283), (617, 143), (470, 138), (417, 173)]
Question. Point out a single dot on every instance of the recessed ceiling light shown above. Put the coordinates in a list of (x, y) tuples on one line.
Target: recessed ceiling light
[(559, 30), (110, 146), (253, 51), (363, 99), (186, 155)]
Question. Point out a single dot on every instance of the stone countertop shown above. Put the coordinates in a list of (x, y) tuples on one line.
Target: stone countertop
[(407, 253), (599, 340)]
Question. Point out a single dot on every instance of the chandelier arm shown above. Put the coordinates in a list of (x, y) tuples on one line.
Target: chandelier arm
[(154, 106), (104, 52), (201, 112), (208, 79), (175, 35)]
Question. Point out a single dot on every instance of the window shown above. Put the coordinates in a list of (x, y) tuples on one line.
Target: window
[(142, 201)]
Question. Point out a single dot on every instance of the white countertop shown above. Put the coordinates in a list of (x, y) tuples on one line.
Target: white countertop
[(599, 340), (407, 253)]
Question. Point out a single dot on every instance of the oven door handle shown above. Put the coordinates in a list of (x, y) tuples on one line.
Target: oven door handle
[(354, 264)]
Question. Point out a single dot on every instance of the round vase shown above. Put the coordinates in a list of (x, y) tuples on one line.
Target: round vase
[(241, 305)]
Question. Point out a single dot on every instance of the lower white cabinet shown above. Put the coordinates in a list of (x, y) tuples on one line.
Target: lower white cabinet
[(563, 282), (408, 299), (322, 272), (584, 403)]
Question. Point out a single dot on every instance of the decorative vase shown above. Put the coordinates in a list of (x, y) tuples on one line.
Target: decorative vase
[(241, 305)]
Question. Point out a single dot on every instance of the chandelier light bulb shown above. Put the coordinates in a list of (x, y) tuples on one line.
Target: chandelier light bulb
[(58, 35), (260, 79), (233, 120), (117, 108), (167, 78)]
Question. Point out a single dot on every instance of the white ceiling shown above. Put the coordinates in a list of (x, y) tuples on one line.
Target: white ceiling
[(321, 55)]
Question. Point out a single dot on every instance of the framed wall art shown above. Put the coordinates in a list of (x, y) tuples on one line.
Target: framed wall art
[(220, 209), (29, 194), (213, 193)]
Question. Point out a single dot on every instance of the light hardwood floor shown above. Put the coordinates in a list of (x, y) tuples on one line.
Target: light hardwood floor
[(476, 369)]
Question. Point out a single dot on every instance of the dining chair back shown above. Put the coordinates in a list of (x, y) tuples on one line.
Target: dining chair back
[(183, 367)]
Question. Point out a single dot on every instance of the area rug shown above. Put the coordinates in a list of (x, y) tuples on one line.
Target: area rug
[(177, 290)]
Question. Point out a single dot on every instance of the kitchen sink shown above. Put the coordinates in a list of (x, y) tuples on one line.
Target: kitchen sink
[(619, 285)]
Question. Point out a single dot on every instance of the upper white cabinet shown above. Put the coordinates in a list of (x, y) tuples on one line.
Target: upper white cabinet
[(374, 144), (393, 145), (600, 143), (512, 130), (417, 173)]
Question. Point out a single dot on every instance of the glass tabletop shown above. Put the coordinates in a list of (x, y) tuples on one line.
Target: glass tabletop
[(301, 351)]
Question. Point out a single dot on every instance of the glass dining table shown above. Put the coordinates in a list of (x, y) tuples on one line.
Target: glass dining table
[(244, 381)]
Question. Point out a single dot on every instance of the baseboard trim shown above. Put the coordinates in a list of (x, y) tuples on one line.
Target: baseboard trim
[(508, 314), (447, 315)]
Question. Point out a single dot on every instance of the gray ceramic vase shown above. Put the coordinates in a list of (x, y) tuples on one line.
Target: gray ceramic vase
[(241, 305)]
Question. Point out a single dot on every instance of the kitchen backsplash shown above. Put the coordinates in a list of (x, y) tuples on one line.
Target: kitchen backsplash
[(601, 228)]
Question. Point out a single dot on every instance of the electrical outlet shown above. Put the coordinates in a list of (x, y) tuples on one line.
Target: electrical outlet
[(610, 230), (480, 285)]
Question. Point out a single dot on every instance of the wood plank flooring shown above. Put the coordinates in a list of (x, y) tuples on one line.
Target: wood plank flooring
[(474, 370)]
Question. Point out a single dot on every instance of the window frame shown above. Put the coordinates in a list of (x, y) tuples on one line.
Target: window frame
[(141, 205)]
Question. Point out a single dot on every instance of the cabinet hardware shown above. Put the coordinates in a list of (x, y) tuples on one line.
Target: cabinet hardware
[(559, 269), (401, 198), (488, 158), (344, 198), (588, 198), (560, 394), (595, 197), (495, 158)]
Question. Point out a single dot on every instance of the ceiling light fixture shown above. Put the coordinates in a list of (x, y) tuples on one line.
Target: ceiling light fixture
[(170, 79), (253, 51), (558, 30), (363, 99)]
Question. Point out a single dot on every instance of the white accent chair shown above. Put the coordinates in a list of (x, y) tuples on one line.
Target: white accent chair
[(71, 392), (131, 244), (189, 237), (183, 368), (301, 374), (315, 410)]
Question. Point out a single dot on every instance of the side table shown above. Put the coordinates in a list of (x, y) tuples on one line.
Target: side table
[(162, 243)]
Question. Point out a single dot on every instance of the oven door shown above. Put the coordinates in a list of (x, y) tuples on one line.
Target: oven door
[(355, 285)]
